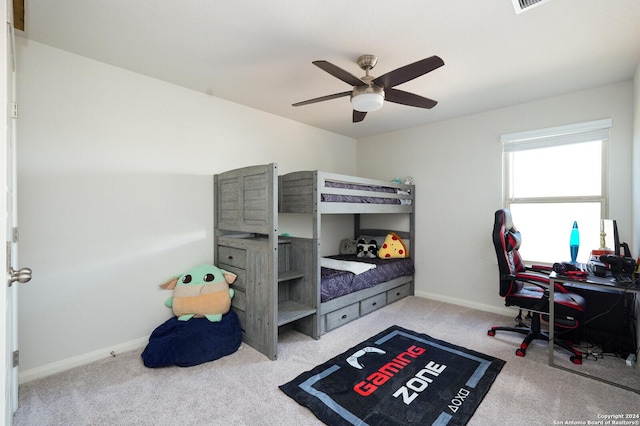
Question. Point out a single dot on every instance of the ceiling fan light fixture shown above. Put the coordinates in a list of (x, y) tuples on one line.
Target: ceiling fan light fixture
[(367, 102)]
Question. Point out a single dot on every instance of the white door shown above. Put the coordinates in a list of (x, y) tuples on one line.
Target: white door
[(8, 232), (5, 293)]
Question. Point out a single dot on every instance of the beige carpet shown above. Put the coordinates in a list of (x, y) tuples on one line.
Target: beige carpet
[(242, 388)]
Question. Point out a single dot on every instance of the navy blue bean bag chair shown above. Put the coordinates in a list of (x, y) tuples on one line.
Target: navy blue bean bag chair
[(192, 342)]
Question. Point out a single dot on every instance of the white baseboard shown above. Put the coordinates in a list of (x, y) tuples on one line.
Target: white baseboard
[(76, 361), (467, 303)]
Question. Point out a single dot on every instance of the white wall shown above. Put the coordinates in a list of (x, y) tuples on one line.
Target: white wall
[(115, 195), (457, 170)]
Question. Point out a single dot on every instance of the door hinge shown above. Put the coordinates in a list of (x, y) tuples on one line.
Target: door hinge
[(14, 110), (15, 235), (16, 358)]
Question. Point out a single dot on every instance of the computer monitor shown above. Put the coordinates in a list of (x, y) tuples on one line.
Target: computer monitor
[(611, 239)]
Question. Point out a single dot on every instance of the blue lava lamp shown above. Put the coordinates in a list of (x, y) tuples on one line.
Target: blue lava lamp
[(574, 242)]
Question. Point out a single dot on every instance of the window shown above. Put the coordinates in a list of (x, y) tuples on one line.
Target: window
[(553, 177)]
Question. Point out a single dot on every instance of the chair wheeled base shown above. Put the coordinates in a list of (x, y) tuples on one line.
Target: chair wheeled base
[(534, 332)]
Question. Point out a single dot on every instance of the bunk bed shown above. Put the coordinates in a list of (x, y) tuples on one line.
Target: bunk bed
[(344, 296), (280, 279)]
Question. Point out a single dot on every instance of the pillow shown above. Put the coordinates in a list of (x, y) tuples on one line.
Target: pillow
[(379, 239), (367, 249), (348, 246), (393, 247)]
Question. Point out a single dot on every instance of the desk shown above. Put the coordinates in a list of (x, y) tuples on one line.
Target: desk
[(590, 281)]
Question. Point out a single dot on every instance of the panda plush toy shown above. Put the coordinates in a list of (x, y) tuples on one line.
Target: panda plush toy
[(365, 249)]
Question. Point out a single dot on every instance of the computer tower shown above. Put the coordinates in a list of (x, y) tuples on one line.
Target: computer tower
[(609, 318)]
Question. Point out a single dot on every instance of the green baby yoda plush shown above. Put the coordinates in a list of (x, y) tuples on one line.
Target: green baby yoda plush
[(203, 291)]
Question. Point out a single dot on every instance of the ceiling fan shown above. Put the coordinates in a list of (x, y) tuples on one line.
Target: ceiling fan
[(369, 92)]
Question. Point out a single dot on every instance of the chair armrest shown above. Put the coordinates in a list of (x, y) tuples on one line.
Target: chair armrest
[(544, 269), (540, 280)]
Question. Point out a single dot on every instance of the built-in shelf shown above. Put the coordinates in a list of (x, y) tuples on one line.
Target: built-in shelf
[(295, 295), (289, 311), (288, 275)]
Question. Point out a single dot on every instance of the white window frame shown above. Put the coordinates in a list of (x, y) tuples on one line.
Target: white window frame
[(555, 136)]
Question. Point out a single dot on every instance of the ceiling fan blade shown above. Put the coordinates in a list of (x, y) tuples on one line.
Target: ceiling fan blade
[(406, 98), (338, 72), (408, 72), (322, 98), (358, 116)]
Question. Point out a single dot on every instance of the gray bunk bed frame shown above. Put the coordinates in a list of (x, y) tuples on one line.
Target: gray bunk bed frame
[(302, 192), (278, 284)]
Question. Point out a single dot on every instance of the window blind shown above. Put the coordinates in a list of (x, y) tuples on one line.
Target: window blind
[(554, 136)]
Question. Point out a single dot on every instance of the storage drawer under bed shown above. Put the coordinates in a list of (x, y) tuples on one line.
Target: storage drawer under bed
[(342, 316), (372, 303), (398, 293)]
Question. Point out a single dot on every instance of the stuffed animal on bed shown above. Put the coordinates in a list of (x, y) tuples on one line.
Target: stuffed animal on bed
[(406, 180), (393, 247), (203, 291), (365, 249)]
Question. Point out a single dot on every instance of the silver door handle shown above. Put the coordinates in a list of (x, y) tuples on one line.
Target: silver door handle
[(22, 275)]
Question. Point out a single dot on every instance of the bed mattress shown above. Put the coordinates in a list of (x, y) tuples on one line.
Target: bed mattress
[(336, 283)]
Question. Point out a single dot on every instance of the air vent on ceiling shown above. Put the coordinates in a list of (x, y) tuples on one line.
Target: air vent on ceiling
[(522, 5)]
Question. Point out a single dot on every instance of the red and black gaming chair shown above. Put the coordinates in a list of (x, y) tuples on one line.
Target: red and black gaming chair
[(527, 288)]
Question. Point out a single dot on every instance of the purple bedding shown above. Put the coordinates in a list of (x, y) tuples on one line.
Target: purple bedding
[(376, 188), (339, 198), (336, 283), (334, 198)]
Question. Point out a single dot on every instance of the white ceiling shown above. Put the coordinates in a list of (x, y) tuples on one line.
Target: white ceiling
[(258, 52)]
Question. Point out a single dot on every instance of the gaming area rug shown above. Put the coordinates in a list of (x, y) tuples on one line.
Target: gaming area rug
[(397, 377)]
